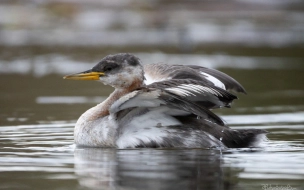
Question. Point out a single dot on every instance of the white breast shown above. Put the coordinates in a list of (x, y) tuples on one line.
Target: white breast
[(100, 132)]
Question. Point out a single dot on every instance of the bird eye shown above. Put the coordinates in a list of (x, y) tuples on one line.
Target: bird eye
[(108, 69)]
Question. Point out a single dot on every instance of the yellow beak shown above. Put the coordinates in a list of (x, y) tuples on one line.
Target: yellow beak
[(86, 75)]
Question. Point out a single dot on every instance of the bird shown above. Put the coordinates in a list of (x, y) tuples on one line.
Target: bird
[(160, 105)]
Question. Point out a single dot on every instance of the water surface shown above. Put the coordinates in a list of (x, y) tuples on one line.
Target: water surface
[(39, 112)]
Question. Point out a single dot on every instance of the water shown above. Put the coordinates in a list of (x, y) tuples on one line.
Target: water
[(38, 115), (42, 157), (260, 46)]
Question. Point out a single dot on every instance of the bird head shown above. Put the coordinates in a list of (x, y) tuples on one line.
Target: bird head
[(119, 70)]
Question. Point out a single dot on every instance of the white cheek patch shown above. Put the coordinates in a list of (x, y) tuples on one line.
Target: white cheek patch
[(108, 80), (124, 78), (121, 80), (214, 80)]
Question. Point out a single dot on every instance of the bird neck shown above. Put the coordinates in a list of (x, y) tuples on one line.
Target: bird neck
[(102, 109)]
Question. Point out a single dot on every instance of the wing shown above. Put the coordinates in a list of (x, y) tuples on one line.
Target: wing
[(162, 100), (218, 77), (159, 72), (198, 92)]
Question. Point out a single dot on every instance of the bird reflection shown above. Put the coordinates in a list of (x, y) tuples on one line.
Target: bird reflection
[(153, 169)]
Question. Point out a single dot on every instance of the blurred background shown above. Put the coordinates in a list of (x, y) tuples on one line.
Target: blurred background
[(259, 43)]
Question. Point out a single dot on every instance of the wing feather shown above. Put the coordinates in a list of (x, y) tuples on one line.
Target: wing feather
[(138, 98), (158, 98), (160, 72), (207, 96)]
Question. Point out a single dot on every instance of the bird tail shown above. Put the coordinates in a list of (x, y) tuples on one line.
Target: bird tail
[(242, 138)]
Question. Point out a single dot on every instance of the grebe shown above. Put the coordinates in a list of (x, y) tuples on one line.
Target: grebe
[(160, 105)]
